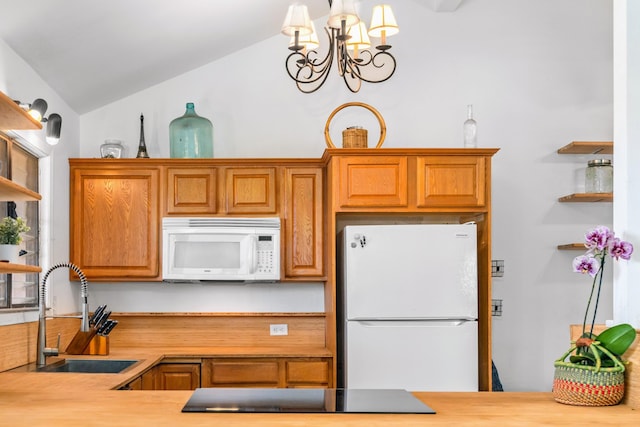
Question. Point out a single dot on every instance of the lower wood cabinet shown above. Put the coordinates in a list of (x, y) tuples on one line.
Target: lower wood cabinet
[(168, 376), (266, 372), (177, 376), (270, 372)]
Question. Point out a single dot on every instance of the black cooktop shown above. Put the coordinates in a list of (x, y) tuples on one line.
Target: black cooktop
[(265, 400)]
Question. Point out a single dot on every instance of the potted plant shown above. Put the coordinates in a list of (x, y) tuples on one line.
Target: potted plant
[(594, 374), (10, 237)]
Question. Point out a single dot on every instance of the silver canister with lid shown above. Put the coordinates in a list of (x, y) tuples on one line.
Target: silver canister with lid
[(599, 176)]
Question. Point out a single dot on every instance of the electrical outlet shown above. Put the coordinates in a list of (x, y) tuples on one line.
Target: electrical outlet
[(497, 268), (279, 329), (496, 307)]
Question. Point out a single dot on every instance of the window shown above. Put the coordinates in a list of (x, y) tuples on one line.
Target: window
[(20, 166)]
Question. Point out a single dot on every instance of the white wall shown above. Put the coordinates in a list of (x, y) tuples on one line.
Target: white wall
[(539, 73)]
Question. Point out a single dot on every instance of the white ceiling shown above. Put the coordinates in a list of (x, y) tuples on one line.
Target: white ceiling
[(94, 52)]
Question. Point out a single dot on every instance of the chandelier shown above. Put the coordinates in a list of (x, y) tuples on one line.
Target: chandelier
[(348, 41)]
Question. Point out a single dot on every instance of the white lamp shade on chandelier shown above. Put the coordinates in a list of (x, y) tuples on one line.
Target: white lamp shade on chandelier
[(359, 39), (383, 22), (297, 19), (343, 10)]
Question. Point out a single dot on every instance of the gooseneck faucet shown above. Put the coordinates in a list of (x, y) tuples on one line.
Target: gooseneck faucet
[(43, 350)]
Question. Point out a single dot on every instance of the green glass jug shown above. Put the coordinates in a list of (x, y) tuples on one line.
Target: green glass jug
[(191, 136)]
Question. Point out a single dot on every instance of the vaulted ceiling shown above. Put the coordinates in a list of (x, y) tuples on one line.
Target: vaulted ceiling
[(95, 52)]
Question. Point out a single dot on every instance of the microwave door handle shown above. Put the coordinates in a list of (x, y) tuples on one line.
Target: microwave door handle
[(254, 254)]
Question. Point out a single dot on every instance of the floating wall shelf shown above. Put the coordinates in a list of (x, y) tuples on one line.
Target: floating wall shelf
[(587, 147), (12, 117)]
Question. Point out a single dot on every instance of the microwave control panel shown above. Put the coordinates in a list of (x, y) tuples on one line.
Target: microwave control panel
[(266, 254)]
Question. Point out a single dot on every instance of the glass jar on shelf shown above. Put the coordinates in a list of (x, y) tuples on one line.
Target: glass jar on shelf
[(599, 176)]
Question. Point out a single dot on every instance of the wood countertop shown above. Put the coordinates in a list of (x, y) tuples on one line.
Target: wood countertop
[(66, 399), (84, 407)]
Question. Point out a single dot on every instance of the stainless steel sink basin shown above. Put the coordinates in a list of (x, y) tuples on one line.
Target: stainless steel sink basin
[(89, 366)]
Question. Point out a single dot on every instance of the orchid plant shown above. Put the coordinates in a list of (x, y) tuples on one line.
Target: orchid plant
[(600, 243)]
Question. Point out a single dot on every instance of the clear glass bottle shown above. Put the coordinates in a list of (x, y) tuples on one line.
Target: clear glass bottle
[(470, 129), (191, 136), (599, 176)]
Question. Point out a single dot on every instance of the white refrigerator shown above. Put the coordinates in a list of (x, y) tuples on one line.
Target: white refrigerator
[(408, 307)]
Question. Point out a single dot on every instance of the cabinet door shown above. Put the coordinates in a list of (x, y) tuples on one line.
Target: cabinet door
[(135, 384), (191, 191), (452, 181), (372, 182), (177, 376), (251, 190), (303, 215), (115, 223), (308, 373), (233, 372)]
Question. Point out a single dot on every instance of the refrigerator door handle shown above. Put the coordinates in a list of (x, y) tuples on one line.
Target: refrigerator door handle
[(413, 323)]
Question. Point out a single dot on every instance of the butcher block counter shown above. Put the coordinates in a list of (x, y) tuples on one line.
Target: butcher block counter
[(69, 399), (92, 407)]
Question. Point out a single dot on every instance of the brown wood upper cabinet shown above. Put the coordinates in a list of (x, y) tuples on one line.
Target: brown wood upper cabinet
[(367, 181), (251, 190), (450, 181), (303, 222), (191, 190), (401, 182), (114, 223)]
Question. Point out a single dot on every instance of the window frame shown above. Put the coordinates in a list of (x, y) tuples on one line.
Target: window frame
[(32, 144)]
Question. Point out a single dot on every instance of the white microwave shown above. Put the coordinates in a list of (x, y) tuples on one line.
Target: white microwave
[(221, 249)]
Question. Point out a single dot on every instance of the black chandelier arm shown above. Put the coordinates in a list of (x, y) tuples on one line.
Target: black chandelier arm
[(309, 68), (380, 60), (352, 80), (298, 64)]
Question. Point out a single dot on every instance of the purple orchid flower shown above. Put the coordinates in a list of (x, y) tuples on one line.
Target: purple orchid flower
[(598, 238), (620, 249), (599, 242), (586, 264)]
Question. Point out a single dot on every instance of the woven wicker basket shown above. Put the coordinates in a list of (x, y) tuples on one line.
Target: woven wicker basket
[(583, 385), (354, 137)]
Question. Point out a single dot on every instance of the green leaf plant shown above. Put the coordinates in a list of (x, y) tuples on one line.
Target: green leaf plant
[(11, 230)]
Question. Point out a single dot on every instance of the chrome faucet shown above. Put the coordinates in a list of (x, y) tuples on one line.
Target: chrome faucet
[(43, 350)]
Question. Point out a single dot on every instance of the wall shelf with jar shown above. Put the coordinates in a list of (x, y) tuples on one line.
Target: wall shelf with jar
[(599, 176)]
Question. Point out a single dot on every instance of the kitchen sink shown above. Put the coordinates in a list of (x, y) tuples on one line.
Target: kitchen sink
[(89, 366)]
